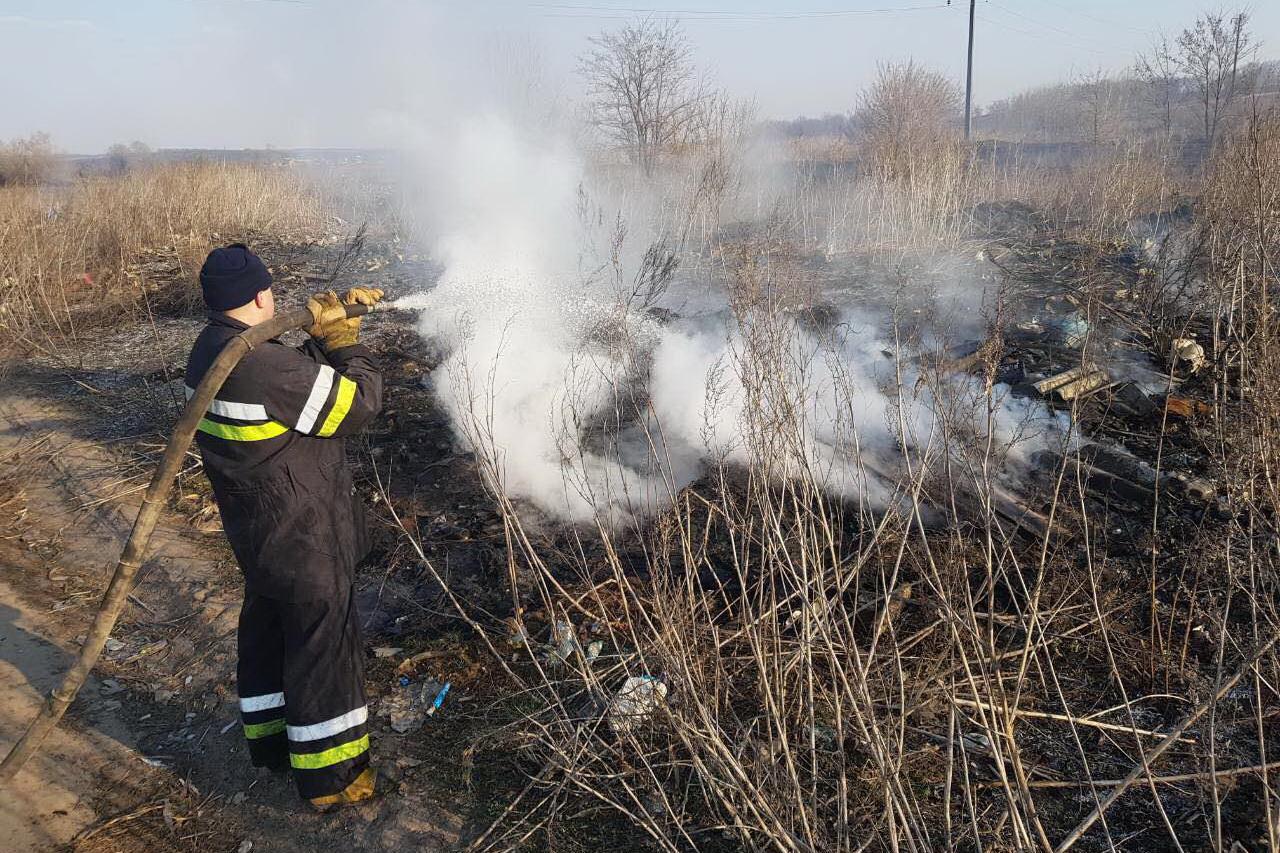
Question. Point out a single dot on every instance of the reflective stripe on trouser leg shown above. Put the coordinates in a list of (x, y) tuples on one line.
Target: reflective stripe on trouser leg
[(260, 682), (324, 685)]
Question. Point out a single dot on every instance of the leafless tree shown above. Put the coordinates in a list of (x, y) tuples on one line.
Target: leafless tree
[(121, 158), (1158, 70), (1210, 53), (645, 93), (907, 110), (27, 161), (1098, 95)]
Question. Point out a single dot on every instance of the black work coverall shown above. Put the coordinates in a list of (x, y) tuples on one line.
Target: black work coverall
[(280, 479)]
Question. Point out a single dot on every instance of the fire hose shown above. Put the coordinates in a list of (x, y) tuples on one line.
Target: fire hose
[(135, 549)]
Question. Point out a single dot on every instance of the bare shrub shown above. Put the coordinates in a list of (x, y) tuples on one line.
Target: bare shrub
[(1241, 238), (24, 162), (907, 115)]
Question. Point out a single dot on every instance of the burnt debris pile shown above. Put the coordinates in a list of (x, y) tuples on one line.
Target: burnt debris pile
[(1093, 330)]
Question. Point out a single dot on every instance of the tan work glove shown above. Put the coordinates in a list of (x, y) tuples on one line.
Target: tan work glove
[(331, 326)]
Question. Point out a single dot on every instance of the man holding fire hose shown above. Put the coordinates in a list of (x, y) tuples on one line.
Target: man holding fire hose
[(271, 444)]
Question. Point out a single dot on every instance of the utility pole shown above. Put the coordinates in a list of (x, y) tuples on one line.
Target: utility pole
[(968, 85)]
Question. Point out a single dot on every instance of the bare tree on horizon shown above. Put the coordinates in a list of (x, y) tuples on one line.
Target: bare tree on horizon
[(1210, 53), (1158, 70), (645, 93)]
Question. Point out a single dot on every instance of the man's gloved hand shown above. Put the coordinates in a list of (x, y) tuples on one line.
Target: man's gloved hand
[(362, 296), (332, 327)]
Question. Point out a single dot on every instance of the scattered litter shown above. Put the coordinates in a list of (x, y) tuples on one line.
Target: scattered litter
[(1185, 407), (1075, 330), (409, 706), (110, 687), (228, 727), (1134, 402), (519, 637), (113, 645), (150, 649), (439, 700), (1194, 488), (245, 846), (387, 651), (564, 641), (1049, 383), (1075, 382), (639, 698), (1187, 353), (825, 736), (238, 797), (593, 650), (409, 664)]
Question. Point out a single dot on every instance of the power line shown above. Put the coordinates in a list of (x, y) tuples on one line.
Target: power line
[(1080, 37), (576, 10), (1110, 22), (1036, 35)]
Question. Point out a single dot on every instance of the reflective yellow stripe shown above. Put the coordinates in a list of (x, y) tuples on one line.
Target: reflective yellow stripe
[(318, 760), (341, 405), (256, 432), (253, 731)]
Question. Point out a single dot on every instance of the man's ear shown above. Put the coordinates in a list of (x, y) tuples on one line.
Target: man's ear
[(260, 299)]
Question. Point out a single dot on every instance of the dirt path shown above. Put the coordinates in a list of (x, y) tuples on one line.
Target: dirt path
[(50, 804), (149, 756)]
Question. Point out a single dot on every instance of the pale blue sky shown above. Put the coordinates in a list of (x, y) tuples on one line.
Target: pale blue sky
[(233, 73)]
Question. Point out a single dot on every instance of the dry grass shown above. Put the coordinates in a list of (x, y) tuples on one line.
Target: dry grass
[(1100, 195), (851, 200), (1241, 253), (66, 251)]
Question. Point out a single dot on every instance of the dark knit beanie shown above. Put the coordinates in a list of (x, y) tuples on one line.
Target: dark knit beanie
[(232, 276)]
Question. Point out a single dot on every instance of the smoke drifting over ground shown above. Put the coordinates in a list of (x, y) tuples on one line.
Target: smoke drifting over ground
[(596, 402)]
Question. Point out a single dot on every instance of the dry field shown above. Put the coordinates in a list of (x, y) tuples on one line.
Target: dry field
[(1084, 659)]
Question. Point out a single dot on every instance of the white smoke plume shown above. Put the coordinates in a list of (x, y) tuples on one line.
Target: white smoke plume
[(519, 295), (594, 408)]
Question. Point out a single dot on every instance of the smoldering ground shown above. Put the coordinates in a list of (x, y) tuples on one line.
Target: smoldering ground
[(599, 385)]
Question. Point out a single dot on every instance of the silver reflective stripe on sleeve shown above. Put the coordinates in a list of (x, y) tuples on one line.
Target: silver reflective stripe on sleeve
[(239, 411), (329, 728), (249, 704), (315, 401)]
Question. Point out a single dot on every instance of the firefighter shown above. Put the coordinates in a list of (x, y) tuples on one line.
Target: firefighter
[(273, 450)]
